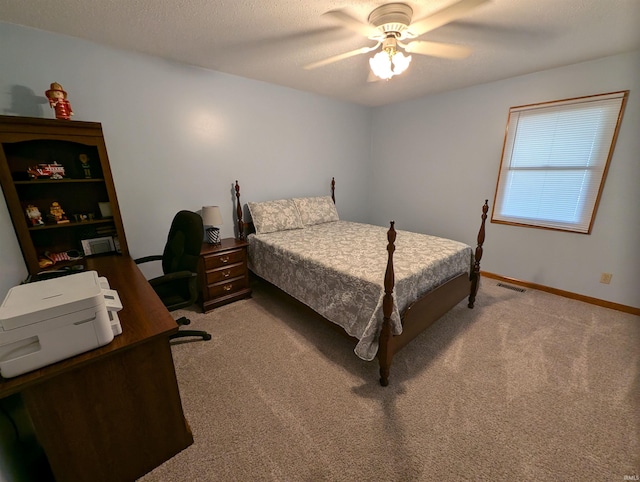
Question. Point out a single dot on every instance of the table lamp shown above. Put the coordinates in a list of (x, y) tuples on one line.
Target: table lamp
[(211, 217)]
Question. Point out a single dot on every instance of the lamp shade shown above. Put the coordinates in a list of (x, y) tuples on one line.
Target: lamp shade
[(211, 216)]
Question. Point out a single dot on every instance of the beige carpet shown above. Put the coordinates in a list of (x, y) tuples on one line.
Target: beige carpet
[(526, 386)]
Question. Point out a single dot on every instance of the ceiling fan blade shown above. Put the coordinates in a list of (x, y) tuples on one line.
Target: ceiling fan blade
[(343, 56), (444, 16), (437, 49), (351, 23)]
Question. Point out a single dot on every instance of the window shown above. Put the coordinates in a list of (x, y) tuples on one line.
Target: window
[(555, 160)]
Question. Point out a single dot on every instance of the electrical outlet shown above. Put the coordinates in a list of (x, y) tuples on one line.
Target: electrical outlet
[(605, 278)]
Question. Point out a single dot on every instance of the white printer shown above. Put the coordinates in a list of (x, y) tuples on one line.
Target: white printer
[(47, 321)]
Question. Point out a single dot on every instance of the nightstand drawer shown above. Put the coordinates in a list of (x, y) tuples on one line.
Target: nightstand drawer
[(224, 259), (226, 273), (228, 287)]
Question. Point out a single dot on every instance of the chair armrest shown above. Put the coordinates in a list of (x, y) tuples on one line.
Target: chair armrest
[(172, 277), (147, 259)]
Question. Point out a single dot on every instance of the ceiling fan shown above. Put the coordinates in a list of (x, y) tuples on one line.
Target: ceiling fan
[(390, 27)]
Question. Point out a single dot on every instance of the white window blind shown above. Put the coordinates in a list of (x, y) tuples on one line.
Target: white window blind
[(554, 162)]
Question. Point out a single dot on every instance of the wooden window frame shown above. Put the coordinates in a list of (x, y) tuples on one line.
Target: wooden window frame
[(510, 141)]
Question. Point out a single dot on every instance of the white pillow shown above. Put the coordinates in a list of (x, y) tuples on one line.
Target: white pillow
[(316, 210), (271, 216)]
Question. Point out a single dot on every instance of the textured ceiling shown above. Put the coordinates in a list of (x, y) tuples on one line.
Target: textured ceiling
[(272, 40)]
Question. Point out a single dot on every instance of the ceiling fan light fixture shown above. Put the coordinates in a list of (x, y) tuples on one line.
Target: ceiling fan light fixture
[(400, 62), (390, 25), (385, 64), (381, 65)]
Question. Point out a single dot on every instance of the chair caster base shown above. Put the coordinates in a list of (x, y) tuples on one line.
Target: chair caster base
[(183, 321)]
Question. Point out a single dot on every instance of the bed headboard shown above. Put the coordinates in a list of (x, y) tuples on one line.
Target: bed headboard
[(246, 228)]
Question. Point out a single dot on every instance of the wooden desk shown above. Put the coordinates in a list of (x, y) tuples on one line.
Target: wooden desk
[(113, 413)]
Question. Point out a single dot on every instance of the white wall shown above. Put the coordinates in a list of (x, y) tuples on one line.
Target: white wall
[(178, 136), (437, 159)]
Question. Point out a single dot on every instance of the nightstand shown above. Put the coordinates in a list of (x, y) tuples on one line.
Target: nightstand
[(222, 273)]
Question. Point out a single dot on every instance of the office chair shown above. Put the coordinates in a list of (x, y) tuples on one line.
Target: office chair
[(178, 287)]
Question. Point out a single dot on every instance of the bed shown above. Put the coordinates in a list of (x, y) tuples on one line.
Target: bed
[(354, 275)]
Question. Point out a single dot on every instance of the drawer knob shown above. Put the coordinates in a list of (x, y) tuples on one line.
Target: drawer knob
[(227, 287), (226, 273), (224, 259)]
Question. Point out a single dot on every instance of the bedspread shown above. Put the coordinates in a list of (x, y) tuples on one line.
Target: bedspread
[(338, 269)]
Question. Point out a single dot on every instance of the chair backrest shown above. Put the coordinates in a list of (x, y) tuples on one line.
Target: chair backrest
[(182, 251)]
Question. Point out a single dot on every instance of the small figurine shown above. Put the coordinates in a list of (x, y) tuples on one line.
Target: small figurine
[(58, 101), (86, 167), (34, 215), (57, 213), (44, 262)]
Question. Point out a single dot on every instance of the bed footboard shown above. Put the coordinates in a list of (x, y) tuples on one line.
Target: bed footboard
[(475, 272), (429, 308), (385, 349)]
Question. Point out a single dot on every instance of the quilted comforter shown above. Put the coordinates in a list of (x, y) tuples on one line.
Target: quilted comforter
[(338, 268)]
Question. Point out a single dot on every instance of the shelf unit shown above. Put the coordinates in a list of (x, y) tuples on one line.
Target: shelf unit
[(27, 142)]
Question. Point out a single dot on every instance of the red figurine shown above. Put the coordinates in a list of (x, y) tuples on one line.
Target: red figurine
[(58, 101)]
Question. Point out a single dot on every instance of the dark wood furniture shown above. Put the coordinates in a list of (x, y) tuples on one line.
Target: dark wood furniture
[(429, 308), (424, 311), (223, 273), (113, 413), (26, 142)]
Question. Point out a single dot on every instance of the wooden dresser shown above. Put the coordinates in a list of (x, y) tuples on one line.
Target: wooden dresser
[(222, 273)]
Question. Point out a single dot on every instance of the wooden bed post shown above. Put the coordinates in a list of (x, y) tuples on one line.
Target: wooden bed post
[(385, 353), (333, 189), (239, 212), (475, 274)]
